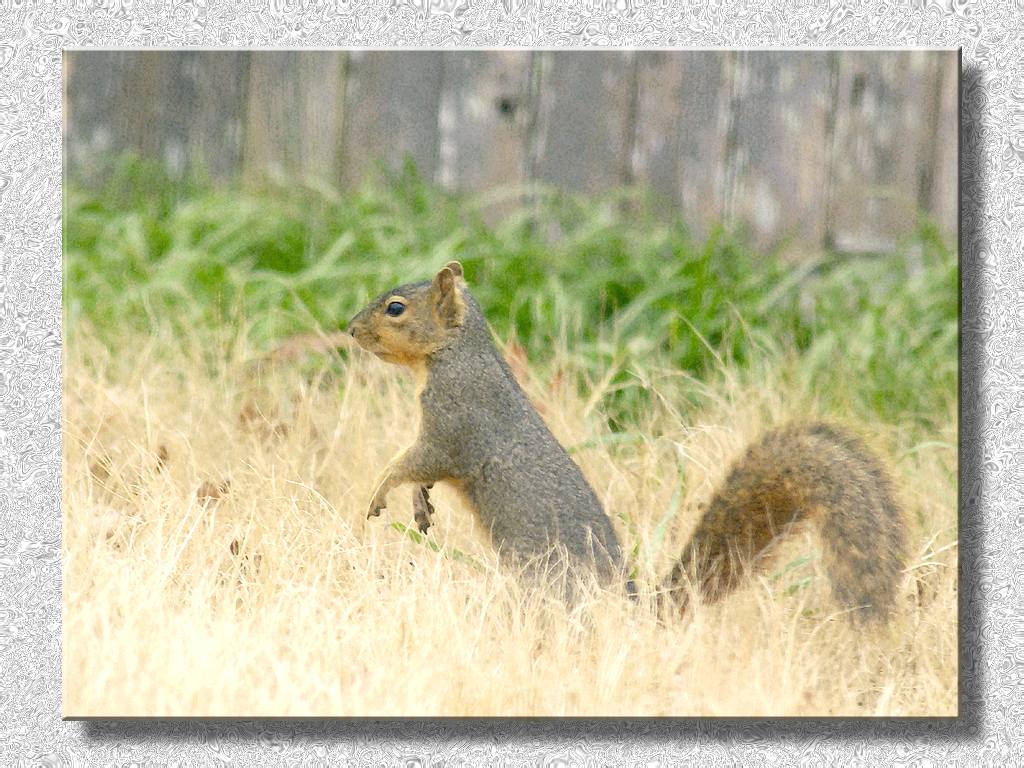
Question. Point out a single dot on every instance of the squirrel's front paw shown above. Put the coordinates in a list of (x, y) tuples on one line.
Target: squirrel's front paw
[(422, 508), (377, 503)]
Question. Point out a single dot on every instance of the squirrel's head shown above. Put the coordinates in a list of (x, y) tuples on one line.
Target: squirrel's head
[(407, 323)]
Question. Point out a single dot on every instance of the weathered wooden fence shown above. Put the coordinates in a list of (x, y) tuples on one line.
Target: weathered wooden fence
[(798, 149)]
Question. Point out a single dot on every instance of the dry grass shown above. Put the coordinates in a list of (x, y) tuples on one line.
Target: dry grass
[(217, 563)]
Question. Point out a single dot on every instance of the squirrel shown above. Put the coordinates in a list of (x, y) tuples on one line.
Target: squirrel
[(480, 434)]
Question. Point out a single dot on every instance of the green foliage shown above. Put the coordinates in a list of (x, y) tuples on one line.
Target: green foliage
[(422, 540), (603, 280)]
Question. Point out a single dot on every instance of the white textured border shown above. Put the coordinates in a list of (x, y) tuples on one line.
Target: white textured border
[(32, 35)]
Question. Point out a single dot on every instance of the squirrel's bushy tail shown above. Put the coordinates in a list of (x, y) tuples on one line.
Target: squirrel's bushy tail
[(801, 472)]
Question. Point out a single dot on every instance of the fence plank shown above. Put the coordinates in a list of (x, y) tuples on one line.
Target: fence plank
[(295, 113), (885, 108), (679, 148), (584, 135), (484, 120), (393, 100), (220, 80), (944, 203), (776, 158)]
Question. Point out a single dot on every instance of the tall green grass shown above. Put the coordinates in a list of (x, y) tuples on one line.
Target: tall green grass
[(608, 280)]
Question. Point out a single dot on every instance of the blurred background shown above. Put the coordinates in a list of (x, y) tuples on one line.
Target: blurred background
[(795, 150), (631, 210)]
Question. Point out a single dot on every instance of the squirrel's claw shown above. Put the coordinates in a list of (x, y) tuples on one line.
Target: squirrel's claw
[(423, 509), (380, 497), (376, 506)]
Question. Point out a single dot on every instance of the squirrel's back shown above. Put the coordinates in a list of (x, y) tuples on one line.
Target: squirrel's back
[(524, 487), (801, 472)]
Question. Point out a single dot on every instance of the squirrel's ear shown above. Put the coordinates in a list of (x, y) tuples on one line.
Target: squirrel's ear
[(449, 305)]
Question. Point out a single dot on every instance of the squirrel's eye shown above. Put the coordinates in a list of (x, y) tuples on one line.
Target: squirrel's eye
[(394, 309)]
